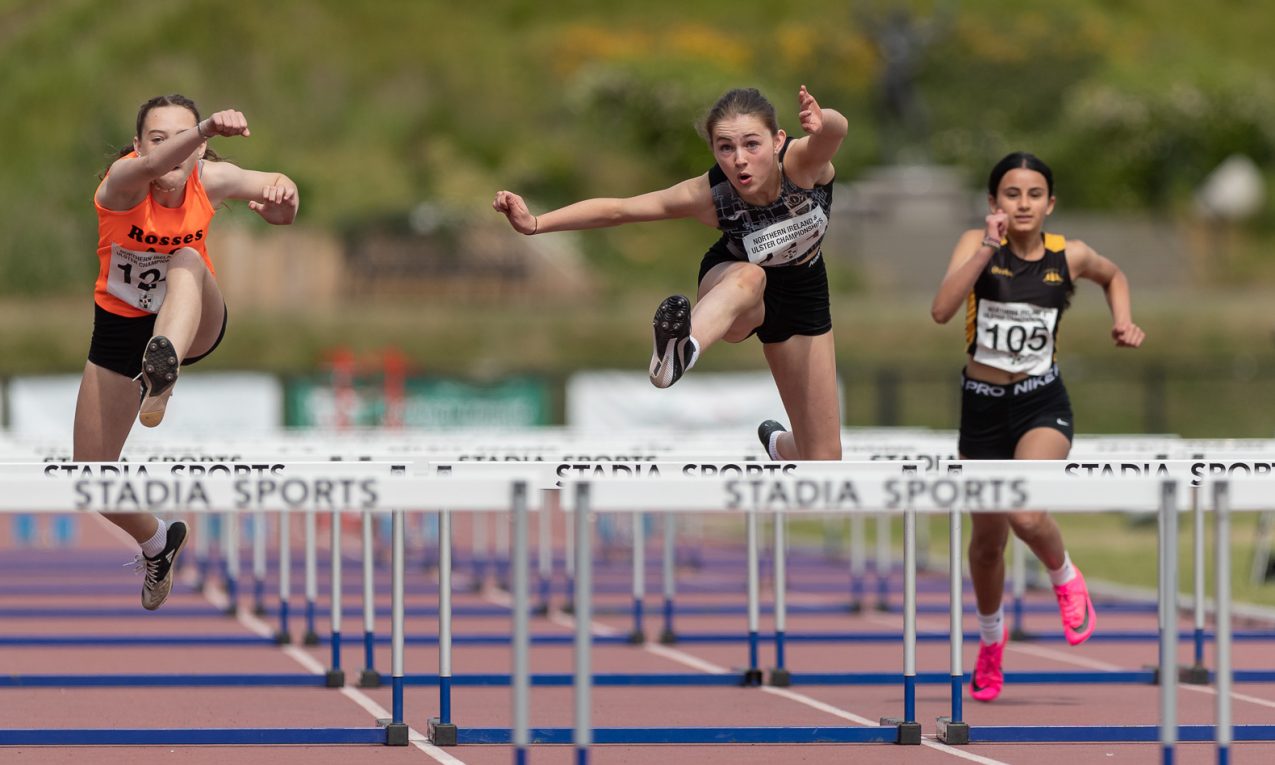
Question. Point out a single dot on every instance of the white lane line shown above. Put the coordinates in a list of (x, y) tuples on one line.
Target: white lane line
[(1237, 696), (694, 662), (828, 708), (250, 622)]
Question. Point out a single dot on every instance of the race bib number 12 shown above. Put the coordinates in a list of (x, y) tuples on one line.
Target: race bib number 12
[(138, 278)]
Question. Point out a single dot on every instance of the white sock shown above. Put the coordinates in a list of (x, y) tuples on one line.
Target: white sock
[(991, 627), (1065, 573), (773, 447), (156, 544), (694, 353)]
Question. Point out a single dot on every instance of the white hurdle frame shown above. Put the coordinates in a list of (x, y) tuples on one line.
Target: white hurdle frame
[(622, 495), (385, 490)]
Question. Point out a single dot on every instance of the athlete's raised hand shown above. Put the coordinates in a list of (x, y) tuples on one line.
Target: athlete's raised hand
[(1127, 335), (224, 123), (997, 225), (515, 209), (809, 113), (278, 204)]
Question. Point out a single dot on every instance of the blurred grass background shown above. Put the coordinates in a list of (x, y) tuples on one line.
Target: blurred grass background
[(374, 108), (377, 109), (384, 109)]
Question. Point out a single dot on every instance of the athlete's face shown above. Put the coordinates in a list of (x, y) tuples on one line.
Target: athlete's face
[(748, 153), (1024, 196), (162, 123)]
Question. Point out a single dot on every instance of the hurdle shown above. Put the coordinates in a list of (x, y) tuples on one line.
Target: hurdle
[(752, 671), (1065, 495), (378, 492)]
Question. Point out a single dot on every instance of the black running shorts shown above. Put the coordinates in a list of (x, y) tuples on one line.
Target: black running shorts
[(995, 417), (118, 341), (796, 297)]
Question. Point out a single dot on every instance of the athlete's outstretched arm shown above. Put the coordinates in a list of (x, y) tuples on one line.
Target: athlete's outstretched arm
[(129, 176), (970, 256), (273, 196), (1085, 263), (810, 158), (689, 199)]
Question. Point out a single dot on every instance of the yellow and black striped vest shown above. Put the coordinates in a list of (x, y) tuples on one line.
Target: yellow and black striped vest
[(1009, 279)]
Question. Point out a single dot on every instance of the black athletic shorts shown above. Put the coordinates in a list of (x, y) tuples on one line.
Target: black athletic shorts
[(995, 417), (118, 341), (796, 297)]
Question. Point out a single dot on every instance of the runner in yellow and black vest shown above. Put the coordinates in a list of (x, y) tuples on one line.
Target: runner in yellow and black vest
[(1016, 281)]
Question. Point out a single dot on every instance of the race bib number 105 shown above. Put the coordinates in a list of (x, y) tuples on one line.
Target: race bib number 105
[(138, 278), (1015, 337)]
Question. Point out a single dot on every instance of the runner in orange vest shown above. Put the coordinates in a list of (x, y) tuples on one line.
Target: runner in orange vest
[(158, 306)]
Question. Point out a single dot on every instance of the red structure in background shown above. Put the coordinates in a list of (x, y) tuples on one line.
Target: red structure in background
[(394, 373), (346, 369)]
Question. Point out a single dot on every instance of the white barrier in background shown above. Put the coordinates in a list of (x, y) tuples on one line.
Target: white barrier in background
[(218, 404), (610, 402)]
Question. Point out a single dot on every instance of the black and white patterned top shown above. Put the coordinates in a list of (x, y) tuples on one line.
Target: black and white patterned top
[(786, 232)]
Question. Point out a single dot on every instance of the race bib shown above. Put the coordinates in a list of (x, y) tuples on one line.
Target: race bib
[(787, 240), (1015, 337), (138, 278)]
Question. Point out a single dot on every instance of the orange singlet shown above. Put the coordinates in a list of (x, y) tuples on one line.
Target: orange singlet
[(133, 247)]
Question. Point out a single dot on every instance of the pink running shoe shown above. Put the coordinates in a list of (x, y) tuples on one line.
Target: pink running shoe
[(988, 680), (1078, 616)]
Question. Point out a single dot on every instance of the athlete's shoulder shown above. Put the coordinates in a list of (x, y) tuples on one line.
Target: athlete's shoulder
[(1076, 249), (1057, 242)]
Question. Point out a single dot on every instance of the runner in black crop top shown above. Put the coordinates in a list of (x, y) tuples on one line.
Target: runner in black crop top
[(770, 196), (786, 232)]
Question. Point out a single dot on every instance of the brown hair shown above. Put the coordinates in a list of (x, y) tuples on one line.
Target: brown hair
[(740, 102), (175, 99)]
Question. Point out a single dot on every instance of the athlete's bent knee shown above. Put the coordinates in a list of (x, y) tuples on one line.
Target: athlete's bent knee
[(750, 278), (187, 257)]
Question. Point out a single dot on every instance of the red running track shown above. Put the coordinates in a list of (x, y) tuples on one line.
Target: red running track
[(83, 578)]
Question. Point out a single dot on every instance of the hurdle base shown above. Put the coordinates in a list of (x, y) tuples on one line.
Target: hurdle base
[(881, 606), (1197, 674), (780, 677), (310, 638), (1155, 673), (751, 678), (370, 678), (953, 731), (440, 733), (540, 609), (668, 637), (636, 637), (282, 638), (259, 610), (909, 731), (335, 678), (396, 734), (854, 607), (1022, 636), (569, 607)]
